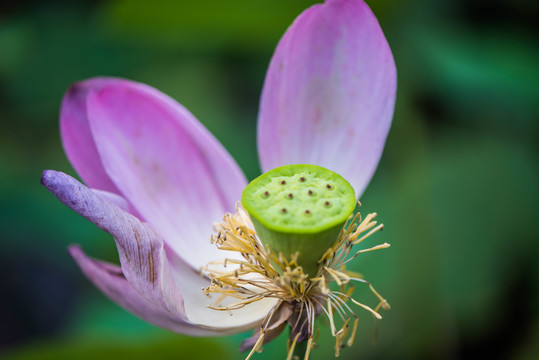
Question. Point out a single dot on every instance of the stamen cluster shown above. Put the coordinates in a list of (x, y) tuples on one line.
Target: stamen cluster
[(261, 274)]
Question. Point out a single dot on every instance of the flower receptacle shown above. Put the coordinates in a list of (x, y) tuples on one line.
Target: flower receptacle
[(305, 249), (298, 211)]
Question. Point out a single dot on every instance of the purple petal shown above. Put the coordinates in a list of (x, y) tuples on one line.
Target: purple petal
[(329, 93), (174, 172), (115, 199), (110, 280), (141, 251), (77, 138), (160, 278)]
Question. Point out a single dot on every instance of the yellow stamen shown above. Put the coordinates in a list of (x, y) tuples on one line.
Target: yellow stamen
[(257, 345), (261, 274), (353, 335), (291, 347)]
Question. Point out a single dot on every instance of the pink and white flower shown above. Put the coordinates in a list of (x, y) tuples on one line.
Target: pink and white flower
[(156, 179)]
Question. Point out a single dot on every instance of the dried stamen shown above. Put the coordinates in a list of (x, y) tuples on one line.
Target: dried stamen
[(262, 274)]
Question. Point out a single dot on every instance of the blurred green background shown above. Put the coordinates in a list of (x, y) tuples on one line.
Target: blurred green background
[(457, 187)]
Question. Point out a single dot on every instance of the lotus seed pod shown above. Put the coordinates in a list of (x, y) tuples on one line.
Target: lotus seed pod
[(299, 209)]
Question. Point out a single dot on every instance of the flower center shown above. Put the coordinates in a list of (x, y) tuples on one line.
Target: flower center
[(293, 248), (298, 211)]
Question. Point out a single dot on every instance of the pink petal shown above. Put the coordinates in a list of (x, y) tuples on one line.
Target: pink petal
[(174, 172), (329, 93), (77, 138)]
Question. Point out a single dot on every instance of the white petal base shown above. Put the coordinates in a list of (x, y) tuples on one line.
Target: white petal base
[(196, 303)]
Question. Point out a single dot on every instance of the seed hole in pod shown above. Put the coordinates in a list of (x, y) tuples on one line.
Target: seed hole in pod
[(283, 210), (329, 186), (310, 192), (283, 182), (290, 196), (307, 212), (266, 193), (302, 179), (327, 204)]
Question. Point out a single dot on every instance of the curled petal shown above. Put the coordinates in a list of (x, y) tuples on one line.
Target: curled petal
[(175, 173), (140, 249), (329, 93), (160, 278)]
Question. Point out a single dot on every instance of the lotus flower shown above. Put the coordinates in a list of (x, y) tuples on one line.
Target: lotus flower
[(157, 180)]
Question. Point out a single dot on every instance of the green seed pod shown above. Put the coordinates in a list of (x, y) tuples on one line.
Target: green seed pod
[(299, 209)]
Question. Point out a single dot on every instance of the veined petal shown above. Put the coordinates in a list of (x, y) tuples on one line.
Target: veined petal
[(141, 251), (174, 172), (329, 93), (77, 138), (173, 291)]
